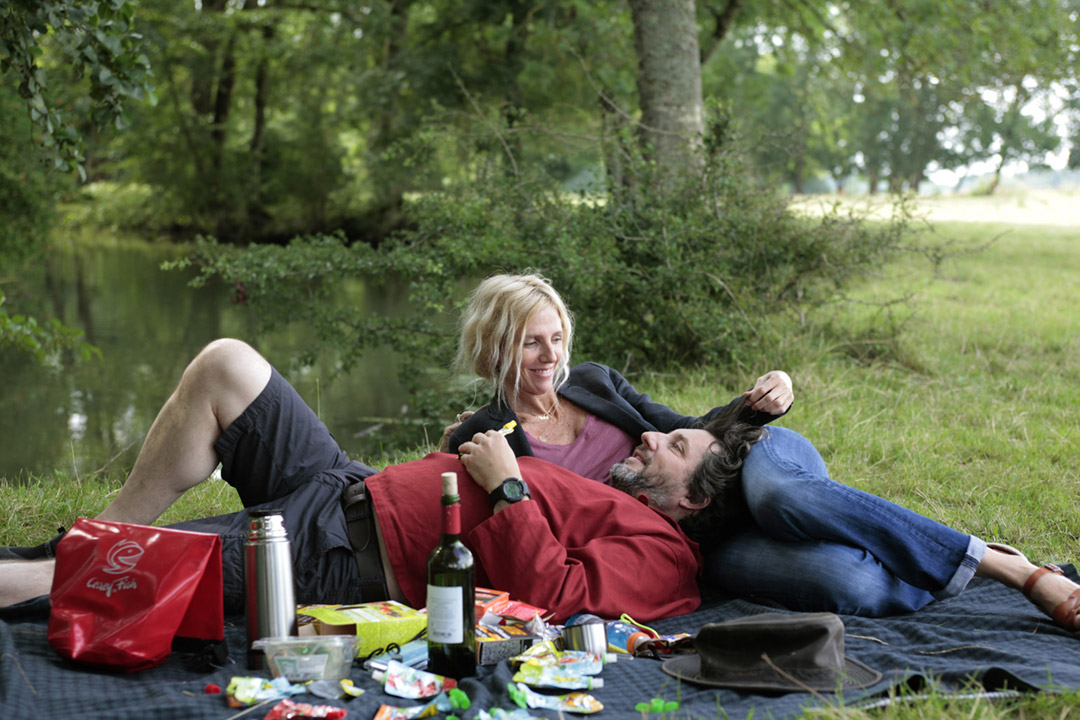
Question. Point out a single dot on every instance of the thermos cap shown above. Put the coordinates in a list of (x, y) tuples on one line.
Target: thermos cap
[(266, 525)]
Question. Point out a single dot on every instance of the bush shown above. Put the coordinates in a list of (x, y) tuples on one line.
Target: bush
[(662, 275)]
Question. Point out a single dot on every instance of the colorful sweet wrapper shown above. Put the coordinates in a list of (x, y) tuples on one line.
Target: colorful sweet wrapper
[(407, 682), (246, 691), (575, 702), (439, 704), (287, 709), (500, 714), (334, 689), (547, 676)]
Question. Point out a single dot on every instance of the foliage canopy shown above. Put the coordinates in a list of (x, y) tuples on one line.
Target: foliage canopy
[(658, 277)]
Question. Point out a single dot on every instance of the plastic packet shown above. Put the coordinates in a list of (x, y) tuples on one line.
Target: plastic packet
[(244, 691), (287, 709), (576, 702), (413, 653), (665, 645), (578, 662), (334, 689), (409, 683), (439, 704), (547, 676), (500, 714)]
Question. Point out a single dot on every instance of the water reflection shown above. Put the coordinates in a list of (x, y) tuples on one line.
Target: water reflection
[(83, 418)]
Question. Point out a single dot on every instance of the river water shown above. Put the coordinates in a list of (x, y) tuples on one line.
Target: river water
[(84, 418)]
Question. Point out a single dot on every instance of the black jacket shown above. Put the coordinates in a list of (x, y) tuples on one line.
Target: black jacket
[(606, 394)]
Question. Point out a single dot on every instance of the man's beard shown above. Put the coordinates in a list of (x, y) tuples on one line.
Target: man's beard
[(636, 483)]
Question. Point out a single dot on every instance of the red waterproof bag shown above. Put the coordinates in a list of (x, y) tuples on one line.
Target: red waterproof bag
[(123, 592)]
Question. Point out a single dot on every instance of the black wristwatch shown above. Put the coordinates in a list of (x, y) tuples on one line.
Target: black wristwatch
[(512, 490)]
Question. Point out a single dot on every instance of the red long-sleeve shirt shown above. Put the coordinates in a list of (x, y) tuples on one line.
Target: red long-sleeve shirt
[(577, 546)]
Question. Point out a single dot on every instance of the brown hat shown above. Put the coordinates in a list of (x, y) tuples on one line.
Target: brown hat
[(775, 652)]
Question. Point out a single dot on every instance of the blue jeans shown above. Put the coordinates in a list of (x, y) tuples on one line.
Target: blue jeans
[(818, 545)]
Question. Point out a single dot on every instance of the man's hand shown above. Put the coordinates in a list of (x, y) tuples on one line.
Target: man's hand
[(772, 393), (444, 444), (489, 459)]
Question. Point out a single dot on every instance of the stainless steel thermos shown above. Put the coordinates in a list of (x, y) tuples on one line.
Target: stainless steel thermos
[(269, 601)]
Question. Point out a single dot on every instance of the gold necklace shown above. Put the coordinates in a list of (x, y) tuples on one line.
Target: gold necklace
[(546, 416)]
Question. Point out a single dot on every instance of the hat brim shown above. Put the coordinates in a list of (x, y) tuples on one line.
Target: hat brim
[(854, 676)]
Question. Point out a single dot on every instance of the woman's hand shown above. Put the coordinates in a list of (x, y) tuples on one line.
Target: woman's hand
[(772, 393), (444, 444), (489, 459)]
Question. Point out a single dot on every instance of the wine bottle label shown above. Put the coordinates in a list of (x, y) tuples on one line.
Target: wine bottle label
[(446, 614), (451, 519)]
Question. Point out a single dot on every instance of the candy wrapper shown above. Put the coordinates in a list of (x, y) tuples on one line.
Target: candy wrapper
[(553, 677), (578, 662), (521, 611), (500, 714), (247, 691), (540, 629), (412, 684), (287, 709), (454, 699), (575, 702), (334, 689), (665, 646)]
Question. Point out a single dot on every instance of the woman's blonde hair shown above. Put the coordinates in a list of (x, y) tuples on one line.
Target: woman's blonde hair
[(493, 329)]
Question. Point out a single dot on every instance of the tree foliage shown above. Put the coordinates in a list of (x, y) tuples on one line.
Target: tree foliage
[(93, 39), (669, 276)]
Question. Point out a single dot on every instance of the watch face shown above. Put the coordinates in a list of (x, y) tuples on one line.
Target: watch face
[(512, 490)]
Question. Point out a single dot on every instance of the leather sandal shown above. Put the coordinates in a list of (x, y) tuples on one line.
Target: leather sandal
[(1067, 613)]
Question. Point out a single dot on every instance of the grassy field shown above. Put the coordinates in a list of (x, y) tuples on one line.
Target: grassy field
[(962, 402)]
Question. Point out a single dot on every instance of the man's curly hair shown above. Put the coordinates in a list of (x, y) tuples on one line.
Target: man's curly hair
[(719, 476)]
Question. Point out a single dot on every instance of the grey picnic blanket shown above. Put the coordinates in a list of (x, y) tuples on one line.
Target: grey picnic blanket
[(989, 638)]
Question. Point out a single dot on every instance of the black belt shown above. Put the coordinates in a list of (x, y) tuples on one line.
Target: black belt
[(360, 519)]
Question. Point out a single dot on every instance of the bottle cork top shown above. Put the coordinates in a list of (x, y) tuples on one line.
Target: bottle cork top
[(449, 483)]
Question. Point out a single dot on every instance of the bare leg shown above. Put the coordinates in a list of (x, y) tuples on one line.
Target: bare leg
[(178, 453), (22, 580), (1014, 570)]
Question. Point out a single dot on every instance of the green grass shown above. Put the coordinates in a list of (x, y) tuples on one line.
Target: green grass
[(969, 414)]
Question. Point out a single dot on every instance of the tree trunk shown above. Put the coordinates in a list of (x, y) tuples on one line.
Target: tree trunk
[(256, 213), (669, 83), (614, 133), (996, 180), (202, 71), (513, 95), (223, 103), (723, 21), (388, 206)]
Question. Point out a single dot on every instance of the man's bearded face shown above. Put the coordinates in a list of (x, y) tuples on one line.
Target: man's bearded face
[(641, 484)]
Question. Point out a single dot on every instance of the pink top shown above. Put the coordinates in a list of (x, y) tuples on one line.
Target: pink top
[(599, 446)]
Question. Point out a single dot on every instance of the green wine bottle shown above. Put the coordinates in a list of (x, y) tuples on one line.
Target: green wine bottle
[(451, 594)]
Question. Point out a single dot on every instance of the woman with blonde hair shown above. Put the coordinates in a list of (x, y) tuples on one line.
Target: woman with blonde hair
[(517, 334)]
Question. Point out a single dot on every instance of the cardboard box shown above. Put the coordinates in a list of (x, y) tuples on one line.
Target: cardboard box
[(376, 624), (498, 642), (488, 600)]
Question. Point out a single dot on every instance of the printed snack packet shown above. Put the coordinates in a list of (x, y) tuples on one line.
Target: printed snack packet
[(288, 709), (412, 684), (575, 702), (555, 677)]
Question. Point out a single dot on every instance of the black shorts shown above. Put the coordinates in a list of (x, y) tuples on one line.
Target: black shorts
[(278, 454)]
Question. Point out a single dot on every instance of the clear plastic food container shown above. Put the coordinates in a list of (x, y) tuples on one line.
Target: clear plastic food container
[(312, 657)]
